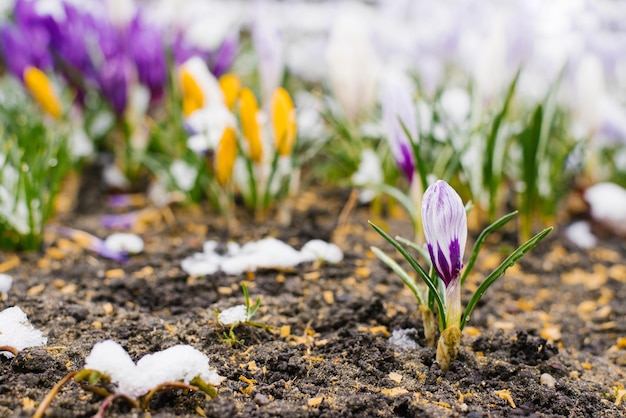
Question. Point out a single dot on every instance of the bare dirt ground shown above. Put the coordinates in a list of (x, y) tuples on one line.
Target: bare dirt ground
[(560, 314)]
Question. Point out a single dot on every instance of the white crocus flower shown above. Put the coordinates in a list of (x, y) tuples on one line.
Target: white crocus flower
[(352, 66)]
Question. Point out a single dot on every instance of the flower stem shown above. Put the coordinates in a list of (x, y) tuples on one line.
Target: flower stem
[(47, 400), (109, 401), (448, 346), (10, 349)]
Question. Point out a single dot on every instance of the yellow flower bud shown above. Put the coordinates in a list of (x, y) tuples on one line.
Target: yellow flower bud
[(225, 156), (283, 121), (248, 110), (39, 85), (230, 85), (193, 98)]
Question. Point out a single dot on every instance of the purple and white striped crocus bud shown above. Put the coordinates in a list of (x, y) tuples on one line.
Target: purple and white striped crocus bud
[(445, 227)]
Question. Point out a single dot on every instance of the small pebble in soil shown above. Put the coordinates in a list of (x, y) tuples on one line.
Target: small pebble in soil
[(261, 399), (546, 379)]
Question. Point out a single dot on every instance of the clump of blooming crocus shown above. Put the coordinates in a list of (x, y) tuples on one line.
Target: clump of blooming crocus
[(110, 367), (445, 228), (34, 159), (16, 333)]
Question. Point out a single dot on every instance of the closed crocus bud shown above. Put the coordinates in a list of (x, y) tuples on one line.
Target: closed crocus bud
[(225, 156), (248, 110), (42, 90), (445, 227), (230, 85), (283, 121)]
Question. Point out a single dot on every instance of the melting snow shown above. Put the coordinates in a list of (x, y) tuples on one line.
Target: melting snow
[(5, 283), (268, 253), (178, 363), (401, 340), (17, 332), (123, 242), (580, 234), (608, 205)]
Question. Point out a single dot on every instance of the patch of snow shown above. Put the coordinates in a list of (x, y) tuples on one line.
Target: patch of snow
[(6, 282), (607, 202), (123, 242), (323, 250), (268, 253), (369, 172), (580, 234), (17, 332), (401, 340), (183, 174), (178, 363), (232, 316)]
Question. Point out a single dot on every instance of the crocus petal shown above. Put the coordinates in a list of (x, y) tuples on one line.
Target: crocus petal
[(445, 227), (225, 156), (283, 121), (248, 113), (193, 99), (225, 56), (42, 90), (230, 85), (398, 110)]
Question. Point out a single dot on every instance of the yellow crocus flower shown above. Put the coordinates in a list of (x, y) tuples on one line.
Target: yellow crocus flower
[(225, 156), (248, 110), (230, 85), (193, 98), (283, 121), (39, 85)]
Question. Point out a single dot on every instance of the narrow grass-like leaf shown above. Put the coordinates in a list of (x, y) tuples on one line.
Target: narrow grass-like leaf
[(420, 271), (499, 272), (422, 252), (481, 240), (399, 196), (402, 273), (490, 177)]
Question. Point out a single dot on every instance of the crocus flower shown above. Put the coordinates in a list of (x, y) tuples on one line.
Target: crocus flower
[(230, 85), (250, 127), (352, 66), (199, 85), (42, 90), (398, 109), (147, 51), (283, 121), (225, 156), (268, 45), (222, 59), (114, 79), (445, 227)]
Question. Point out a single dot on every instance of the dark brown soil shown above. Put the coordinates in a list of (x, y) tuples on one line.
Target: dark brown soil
[(561, 313)]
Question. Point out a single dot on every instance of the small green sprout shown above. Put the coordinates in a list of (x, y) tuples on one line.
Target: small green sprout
[(240, 314)]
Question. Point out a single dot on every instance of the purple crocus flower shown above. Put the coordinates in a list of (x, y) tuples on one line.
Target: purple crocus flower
[(398, 109), (114, 79), (268, 45), (147, 51), (183, 50), (222, 59), (445, 227)]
